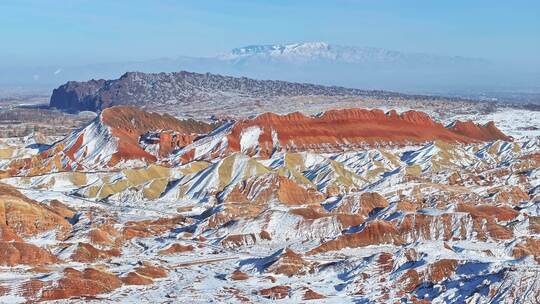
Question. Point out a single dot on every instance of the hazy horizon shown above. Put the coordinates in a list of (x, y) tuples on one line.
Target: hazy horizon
[(49, 32), (43, 40)]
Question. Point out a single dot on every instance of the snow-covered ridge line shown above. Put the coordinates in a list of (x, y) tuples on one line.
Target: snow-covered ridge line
[(313, 51)]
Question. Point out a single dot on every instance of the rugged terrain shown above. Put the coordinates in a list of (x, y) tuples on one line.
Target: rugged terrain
[(187, 88), (349, 205)]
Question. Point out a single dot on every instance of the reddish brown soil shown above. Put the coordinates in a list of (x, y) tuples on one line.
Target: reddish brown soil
[(151, 271), (151, 228), (134, 278), (276, 292), (25, 217), (289, 264), (176, 248), (15, 253), (87, 253), (87, 283), (312, 295), (503, 213), (238, 275), (375, 232), (441, 270)]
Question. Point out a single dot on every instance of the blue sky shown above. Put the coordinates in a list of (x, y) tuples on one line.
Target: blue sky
[(47, 32)]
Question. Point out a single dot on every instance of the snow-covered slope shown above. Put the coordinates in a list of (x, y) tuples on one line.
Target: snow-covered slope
[(444, 218)]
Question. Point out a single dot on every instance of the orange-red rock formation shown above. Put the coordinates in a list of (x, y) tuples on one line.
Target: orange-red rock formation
[(176, 248), (61, 209), (441, 270), (151, 271), (25, 217), (374, 233), (290, 193), (361, 205), (15, 253), (144, 275), (238, 275), (529, 247), (105, 235), (87, 253), (237, 240), (289, 263), (335, 130), (22, 217), (486, 132), (410, 280), (312, 295), (87, 283), (489, 212), (282, 188), (276, 292), (338, 129), (3, 290), (129, 123), (133, 278), (151, 228)]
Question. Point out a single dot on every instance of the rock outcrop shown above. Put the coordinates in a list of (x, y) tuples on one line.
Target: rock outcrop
[(147, 89), (353, 205), (337, 130), (117, 135), (76, 96), (25, 217), (87, 283), (123, 134), (20, 253)]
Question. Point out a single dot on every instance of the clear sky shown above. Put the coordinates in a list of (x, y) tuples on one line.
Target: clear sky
[(89, 31)]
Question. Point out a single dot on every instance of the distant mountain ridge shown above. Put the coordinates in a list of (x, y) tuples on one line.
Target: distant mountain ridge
[(310, 62), (313, 51), (144, 89)]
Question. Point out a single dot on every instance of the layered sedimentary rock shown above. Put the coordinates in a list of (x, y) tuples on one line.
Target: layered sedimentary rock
[(350, 205), (122, 134), (335, 131), (117, 135), (21, 216)]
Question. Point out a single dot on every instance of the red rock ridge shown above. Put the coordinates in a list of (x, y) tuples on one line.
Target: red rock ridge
[(129, 126), (129, 123), (486, 132), (337, 129), (136, 121)]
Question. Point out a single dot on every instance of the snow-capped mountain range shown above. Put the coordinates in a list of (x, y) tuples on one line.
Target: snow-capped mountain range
[(309, 62), (322, 51)]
